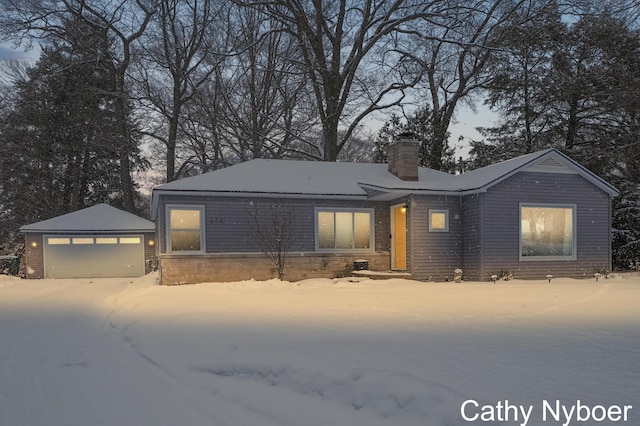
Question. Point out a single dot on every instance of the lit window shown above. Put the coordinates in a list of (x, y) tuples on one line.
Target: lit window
[(82, 240), (106, 240), (547, 232), (344, 229), (184, 229), (52, 241), (438, 220), (130, 240)]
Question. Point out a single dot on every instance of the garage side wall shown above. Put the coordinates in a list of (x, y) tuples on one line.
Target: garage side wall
[(34, 259), (150, 252)]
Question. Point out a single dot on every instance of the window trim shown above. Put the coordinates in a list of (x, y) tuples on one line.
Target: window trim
[(446, 220), (168, 209), (316, 235), (574, 230)]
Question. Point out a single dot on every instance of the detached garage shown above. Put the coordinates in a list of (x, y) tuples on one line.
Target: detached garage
[(96, 242)]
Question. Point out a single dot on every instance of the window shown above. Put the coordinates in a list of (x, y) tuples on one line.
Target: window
[(547, 232), (130, 240), (438, 220), (341, 229), (78, 240), (106, 240), (58, 241), (184, 228)]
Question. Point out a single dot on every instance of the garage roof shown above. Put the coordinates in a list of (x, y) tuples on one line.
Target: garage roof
[(99, 218)]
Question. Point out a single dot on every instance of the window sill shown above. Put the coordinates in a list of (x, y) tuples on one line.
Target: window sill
[(548, 258)]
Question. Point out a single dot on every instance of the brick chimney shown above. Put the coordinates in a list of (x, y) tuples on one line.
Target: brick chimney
[(403, 157)]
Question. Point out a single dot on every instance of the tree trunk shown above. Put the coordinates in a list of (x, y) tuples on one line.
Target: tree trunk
[(125, 150), (329, 141), (171, 147)]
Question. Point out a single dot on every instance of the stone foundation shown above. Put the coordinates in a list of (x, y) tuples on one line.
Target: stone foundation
[(191, 269)]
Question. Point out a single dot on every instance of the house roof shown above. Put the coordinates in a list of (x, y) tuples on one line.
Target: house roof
[(365, 180), (296, 177), (479, 180), (99, 218)]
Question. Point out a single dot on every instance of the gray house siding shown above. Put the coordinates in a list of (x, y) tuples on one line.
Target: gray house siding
[(435, 255), (229, 225), (230, 242), (471, 237), (500, 228)]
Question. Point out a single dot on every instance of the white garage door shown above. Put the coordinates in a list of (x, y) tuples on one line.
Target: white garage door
[(93, 256)]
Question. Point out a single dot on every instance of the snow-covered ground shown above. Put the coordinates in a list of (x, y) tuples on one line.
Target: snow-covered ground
[(319, 352)]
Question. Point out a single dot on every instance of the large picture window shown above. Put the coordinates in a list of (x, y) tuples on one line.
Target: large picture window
[(547, 232), (184, 228), (339, 229)]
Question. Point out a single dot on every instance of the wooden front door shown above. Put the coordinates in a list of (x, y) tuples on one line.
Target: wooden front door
[(399, 237)]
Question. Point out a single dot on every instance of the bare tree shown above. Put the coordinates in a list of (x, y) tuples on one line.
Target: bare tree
[(335, 40), (274, 229), (451, 51), (183, 52), (260, 89)]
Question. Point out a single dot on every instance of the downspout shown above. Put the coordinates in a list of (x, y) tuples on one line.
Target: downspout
[(481, 267), (410, 239), (609, 246)]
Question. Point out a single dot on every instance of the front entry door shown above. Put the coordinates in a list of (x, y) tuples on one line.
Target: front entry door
[(399, 237)]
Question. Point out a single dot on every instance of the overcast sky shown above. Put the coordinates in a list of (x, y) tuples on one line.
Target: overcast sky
[(7, 53)]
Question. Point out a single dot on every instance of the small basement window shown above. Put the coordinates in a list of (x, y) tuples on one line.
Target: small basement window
[(185, 225)]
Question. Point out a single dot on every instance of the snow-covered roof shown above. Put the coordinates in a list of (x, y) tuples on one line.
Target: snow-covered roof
[(99, 218), (365, 180), (479, 180), (296, 177)]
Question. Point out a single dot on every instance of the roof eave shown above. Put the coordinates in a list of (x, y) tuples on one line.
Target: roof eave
[(390, 193), (92, 231)]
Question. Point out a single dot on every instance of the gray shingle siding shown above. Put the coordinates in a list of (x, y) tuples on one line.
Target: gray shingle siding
[(500, 228), (471, 237), (435, 255), (229, 225)]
